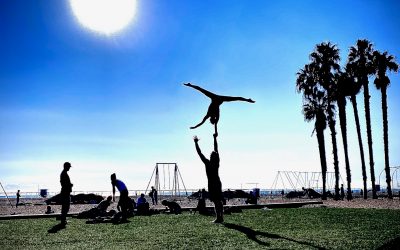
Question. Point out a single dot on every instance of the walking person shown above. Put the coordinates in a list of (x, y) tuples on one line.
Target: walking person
[(18, 195)]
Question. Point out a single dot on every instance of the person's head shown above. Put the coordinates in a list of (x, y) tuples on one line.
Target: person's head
[(48, 208), (142, 195), (113, 177), (67, 166), (18, 190), (164, 202), (109, 198), (214, 158)]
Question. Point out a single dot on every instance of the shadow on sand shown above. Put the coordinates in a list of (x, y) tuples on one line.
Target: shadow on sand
[(258, 236)]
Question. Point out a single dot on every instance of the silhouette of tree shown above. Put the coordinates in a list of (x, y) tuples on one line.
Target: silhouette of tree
[(383, 62), (344, 90), (314, 107), (360, 57), (355, 87), (326, 59)]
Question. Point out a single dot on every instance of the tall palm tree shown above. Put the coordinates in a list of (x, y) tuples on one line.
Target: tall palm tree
[(383, 62), (344, 90), (314, 107), (355, 89), (326, 59), (360, 57)]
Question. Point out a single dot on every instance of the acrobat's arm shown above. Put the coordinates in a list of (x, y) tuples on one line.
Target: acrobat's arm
[(215, 142), (205, 92), (235, 98), (196, 142), (204, 119)]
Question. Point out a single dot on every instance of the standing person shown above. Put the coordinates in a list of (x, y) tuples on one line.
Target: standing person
[(214, 182), (341, 192), (18, 195), (124, 200), (216, 101), (66, 189), (154, 198)]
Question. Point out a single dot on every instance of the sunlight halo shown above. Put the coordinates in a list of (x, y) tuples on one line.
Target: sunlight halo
[(104, 16)]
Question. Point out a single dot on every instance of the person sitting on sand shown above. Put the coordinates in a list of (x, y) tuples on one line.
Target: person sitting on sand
[(172, 206), (214, 182), (142, 205), (104, 204), (216, 101), (49, 210)]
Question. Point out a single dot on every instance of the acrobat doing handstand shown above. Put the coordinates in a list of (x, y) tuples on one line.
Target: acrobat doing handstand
[(216, 101)]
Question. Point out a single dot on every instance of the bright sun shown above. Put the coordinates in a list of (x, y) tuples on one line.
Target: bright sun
[(104, 16)]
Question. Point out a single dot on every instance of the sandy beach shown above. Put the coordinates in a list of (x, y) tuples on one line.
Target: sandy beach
[(38, 206)]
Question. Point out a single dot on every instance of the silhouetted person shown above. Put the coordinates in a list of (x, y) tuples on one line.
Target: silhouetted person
[(201, 204), (18, 195), (123, 202), (142, 205), (216, 101), (214, 182), (361, 193), (49, 210), (65, 195), (153, 195), (341, 192), (173, 207)]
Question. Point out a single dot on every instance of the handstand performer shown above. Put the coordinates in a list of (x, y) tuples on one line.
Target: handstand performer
[(216, 101), (214, 183)]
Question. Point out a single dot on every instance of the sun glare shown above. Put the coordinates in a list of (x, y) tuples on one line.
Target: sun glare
[(104, 16)]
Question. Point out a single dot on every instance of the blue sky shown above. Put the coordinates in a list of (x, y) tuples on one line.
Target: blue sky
[(117, 104)]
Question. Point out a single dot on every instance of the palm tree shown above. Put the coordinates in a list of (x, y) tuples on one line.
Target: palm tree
[(355, 89), (383, 62), (314, 107), (326, 60), (361, 59), (344, 90)]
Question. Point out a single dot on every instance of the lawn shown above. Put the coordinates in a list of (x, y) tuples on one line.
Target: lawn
[(302, 228)]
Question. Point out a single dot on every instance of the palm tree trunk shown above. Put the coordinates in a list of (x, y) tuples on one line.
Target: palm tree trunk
[(369, 135), (331, 122), (343, 127), (360, 144), (386, 141), (322, 157)]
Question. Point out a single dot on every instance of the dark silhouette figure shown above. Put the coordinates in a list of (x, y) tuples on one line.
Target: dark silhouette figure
[(201, 204), (153, 195), (124, 200), (214, 182), (172, 206), (142, 205), (341, 192), (49, 210), (18, 195), (216, 101), (66, 189)]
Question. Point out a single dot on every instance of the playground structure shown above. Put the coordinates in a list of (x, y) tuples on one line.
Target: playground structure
[(168, 183), (296, 180), (395, 175)]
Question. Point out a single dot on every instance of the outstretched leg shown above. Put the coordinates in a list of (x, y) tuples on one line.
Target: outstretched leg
[(234, 98), (205, 92), (198, 125)]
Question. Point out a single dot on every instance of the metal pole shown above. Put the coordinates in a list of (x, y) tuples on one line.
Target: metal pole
[(6, 194)]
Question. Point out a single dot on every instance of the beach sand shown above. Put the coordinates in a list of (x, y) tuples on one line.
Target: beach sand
[(38, 206)]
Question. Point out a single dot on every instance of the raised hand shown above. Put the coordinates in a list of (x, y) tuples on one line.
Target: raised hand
[(195, 138)]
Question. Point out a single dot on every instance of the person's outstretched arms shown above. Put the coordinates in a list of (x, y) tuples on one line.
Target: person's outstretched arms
[(204, 119), (235, 98), (205, 92), (215, 142), (196, 142)]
